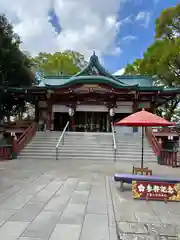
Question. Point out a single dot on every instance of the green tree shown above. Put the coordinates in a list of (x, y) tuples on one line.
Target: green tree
[(134, 68), (61, 63), (14, 67), (168, 23), (162, 59)]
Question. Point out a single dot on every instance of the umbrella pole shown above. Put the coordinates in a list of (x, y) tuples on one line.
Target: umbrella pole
[(142, 147)]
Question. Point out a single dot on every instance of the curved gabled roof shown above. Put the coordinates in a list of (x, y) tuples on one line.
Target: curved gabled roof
[(141, 81), (88, 80), (95, 73), (95, 63)]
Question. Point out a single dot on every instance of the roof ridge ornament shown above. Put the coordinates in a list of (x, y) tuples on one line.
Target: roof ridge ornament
[(94, 67)]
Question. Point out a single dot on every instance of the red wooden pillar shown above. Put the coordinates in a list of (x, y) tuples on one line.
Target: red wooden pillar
[(152, 108), (135, 106), (135, 103), (135, 109), (49, 116)]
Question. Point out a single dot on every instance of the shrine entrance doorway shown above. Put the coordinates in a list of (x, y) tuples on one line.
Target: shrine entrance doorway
[(91, 121), (60, 120)]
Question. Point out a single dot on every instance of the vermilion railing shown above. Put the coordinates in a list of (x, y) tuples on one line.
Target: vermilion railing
[(165, 157), (153, 141), (164, 129), (5, 152), (168, 158), (20, 143)]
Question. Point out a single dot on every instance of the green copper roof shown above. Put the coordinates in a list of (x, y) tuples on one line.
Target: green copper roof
[(120, 80), (85, 79), (142, 81), (95, 68), (95, 73)]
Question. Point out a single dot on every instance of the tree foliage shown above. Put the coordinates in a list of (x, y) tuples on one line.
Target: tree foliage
[(168, 23), (61, 63), (14, 66), (133, 69), (162, 59)]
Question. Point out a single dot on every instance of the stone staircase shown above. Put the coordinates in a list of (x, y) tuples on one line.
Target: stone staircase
[(77, 145), (87, 146), (42, 146), (129, 147)]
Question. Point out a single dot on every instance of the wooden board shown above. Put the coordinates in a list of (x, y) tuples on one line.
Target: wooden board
[(156, 190)]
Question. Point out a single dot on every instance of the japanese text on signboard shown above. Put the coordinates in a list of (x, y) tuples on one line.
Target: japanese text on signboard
[(156, 190)]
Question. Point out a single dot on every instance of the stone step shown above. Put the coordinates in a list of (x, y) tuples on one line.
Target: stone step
[(86, 154), (84, 144), (89, 133), (87, 146), (87, 149), (71, 148), (51, 144), (45, 138), (45, 150), (103, 142), (70, 158)]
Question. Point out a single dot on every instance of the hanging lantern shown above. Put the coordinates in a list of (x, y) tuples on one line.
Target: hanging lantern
[(49, 93), (71, 111), (111, 112)]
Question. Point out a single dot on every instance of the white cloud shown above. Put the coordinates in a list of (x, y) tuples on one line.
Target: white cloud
[(126, 20), (144, 17), (87, 25), (116, 51), (119, 72), (129, 38)]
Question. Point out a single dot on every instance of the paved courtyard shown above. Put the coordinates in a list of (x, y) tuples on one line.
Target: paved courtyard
[(75, 200)]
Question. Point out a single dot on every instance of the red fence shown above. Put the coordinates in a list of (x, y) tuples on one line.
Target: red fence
[(5, 152), (8, 151), (168, 158), (20, 143), (153, 141), (165, 157)]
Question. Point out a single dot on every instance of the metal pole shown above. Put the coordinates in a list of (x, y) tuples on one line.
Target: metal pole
[(142, 147), (56, 153)]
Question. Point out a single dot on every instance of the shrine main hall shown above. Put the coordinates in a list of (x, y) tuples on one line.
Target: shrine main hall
[(93, 98)]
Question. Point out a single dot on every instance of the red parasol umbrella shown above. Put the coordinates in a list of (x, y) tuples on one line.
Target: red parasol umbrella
[(143, 119)]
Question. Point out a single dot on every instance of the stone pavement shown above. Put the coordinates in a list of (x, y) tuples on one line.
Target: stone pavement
[(146, 220), (72, 200), (41, 200)]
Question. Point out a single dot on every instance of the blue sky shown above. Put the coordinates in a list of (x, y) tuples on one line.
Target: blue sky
[(143, 35), (135, 30)]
